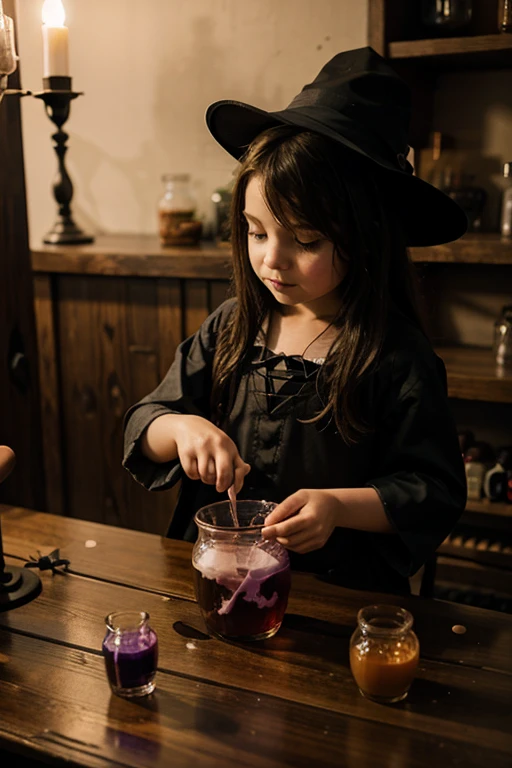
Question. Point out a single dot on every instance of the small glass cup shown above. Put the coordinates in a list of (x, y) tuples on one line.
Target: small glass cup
[(242, 581), (130, 649), (384, 653)]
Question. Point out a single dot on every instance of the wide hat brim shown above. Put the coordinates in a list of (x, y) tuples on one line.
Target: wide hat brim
[(429, 216)]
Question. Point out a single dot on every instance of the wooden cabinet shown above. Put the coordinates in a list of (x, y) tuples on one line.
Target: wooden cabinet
[(109, 319), (464, 284)]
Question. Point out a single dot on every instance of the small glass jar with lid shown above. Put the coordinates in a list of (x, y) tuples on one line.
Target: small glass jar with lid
[(384, 653), (177, 222)]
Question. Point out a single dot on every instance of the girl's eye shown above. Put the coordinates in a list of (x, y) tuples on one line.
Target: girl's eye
[(311, 245), (256, 236)]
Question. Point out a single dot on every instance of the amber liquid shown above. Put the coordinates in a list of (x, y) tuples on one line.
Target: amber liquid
[(253, 612), (179, 228), (385, 675)]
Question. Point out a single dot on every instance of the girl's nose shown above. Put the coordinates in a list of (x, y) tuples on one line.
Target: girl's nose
[(276, 256)]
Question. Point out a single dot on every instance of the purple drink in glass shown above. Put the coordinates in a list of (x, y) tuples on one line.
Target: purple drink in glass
[(130, 649)]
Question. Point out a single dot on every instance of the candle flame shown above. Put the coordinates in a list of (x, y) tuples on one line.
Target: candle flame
[(53, 13)]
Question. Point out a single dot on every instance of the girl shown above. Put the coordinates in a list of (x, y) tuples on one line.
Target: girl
[(315, 386)]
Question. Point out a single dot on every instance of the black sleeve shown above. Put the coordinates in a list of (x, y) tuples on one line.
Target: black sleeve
[(419, 472), (185, 389)]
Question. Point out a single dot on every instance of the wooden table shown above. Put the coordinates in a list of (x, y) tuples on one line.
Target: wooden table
[(288, 701)]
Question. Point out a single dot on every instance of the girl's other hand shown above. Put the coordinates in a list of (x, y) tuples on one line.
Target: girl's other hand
[(304, 521), (206, 453)]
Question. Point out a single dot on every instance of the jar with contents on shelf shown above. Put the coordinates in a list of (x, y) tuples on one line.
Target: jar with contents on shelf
[(176, 212), (505, 16), (503, 339), (384, 653), (445, 16), (506, 202), (462, 189), (221, 199)]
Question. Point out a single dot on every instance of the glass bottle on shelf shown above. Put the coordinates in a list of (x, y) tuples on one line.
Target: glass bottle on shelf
[(176, 212), (444, 16), (505, 15), (506, 205), (503, 338)]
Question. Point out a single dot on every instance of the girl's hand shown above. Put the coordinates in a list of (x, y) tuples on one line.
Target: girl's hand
[(206, 453), (304, 521)]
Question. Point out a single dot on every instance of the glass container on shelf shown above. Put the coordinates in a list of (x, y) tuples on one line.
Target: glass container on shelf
[(178, 224), (384, 653), (446, 16), (130, 650), (221, 199), (242, 581), (505, 16), (506, 204), (503, 338), (471, 198)]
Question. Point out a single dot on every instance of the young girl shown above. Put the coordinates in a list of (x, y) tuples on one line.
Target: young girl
[(315, 386)]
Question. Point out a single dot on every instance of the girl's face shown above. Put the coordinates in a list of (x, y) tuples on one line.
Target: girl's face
[(298, 268)]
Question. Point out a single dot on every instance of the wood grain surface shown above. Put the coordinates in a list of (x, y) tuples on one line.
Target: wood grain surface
[(290, 700)]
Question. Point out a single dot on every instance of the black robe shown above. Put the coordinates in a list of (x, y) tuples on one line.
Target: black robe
[(411, 457)]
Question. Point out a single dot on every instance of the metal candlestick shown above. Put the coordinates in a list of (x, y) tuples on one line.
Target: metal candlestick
[(57, 96)]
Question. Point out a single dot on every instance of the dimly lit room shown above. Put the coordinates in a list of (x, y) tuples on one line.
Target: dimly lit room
[(255, 383)]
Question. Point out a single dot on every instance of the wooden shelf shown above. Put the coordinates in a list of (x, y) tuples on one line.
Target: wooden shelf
[(489, 248), (473, 375), (478, 52), (486, 507), (134, 256)]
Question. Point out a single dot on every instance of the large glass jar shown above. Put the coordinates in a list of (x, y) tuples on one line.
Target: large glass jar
[(242, 581), (176, 212), (130, 650), (384, 653)]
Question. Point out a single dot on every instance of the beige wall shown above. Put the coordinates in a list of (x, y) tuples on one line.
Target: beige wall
[(149, 70)]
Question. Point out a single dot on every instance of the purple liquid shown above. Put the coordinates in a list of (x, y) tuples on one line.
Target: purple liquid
[(132, 663), (238, 602)]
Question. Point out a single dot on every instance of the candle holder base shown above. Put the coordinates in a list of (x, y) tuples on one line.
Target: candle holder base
[(67, 233), (19, 586)]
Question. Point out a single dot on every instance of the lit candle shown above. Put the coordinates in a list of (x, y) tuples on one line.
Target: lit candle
[(55, 40)]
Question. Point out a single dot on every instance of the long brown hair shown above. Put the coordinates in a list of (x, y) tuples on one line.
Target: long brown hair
[(311, 181)]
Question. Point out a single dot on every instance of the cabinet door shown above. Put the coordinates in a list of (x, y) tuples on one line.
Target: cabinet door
[(20, 423), (116, 339)]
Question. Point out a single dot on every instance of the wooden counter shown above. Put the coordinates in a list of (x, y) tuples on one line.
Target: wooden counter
[(287, 701)]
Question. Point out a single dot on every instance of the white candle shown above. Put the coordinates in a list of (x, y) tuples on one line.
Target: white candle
[(55, 40)]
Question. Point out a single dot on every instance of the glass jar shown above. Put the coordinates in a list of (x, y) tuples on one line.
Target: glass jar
[(503, 338), (384, 653), (446, 15), (130, 649), (505, 15), (241, 580), (8, 56), (176, 212), (221, 200)]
